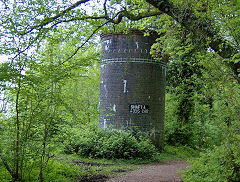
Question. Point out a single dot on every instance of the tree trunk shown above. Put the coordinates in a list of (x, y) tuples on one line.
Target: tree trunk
[(17, 147)]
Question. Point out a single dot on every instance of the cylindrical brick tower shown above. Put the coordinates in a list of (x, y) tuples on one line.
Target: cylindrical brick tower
[(132, 85)]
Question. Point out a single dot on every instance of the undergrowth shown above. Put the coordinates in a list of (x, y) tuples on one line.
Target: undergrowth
[(112, 144), (220, 164), (74, 167)]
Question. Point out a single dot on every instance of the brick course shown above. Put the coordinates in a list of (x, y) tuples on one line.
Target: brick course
[(132, 85)]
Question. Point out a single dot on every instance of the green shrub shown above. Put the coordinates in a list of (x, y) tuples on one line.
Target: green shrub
[(181, 152), (55, 171), (4, 174), (64, 171), (99, 143), (222, 164)]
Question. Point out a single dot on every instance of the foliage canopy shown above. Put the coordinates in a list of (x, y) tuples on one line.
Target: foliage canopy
[(50, 72)]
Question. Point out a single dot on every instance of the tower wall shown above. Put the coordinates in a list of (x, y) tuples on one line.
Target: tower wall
[(132, 85)]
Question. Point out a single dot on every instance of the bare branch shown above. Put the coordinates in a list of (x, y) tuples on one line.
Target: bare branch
[(105, 8), (46, 21), (80, 18), (119, 16), (76, 51), (142, 15), (115, 20)]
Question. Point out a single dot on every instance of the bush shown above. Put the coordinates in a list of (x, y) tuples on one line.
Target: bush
[(221, 164), (64, 171), (99, 143), (55, 171), (4, 174), (181, 152)]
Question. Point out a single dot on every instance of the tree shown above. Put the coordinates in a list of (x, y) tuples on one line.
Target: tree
[(204, 29), (47, 40), (32, 118)]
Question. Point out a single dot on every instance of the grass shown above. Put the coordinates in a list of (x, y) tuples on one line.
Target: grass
[(103, 167), (72, 167), (114, 167), (172, 153)]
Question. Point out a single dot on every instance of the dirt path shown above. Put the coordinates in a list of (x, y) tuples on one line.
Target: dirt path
[(160, 172)]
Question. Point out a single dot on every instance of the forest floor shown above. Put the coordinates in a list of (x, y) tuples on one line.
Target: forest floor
[(156, 172), (164, 167)]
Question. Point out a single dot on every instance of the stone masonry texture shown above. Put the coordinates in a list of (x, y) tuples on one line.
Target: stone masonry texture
[(132, 85)]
